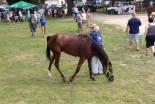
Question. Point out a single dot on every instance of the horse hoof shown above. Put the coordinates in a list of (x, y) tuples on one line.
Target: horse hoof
[(50, 76), (70, 83), (111, 79), (64, 80), (94, 79)]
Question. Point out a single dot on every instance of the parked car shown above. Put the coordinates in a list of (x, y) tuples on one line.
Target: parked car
[(90, 6), (121, 6)]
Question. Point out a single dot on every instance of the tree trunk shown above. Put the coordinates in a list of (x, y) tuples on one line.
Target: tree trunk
[(69, 6)]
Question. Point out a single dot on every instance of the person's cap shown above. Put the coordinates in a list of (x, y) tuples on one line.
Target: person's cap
[(96, 28), (92, 25), (153, 14)]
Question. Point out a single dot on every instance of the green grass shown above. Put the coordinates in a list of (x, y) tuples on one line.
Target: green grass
[(23, 69)]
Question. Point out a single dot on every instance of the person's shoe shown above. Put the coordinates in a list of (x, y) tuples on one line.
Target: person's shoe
[(137, 49), (95, 74), (100, 73)]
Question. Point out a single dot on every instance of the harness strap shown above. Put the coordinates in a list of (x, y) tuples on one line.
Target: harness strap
[(108, 74)]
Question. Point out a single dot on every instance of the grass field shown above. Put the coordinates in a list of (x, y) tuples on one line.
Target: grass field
[(23, 69)]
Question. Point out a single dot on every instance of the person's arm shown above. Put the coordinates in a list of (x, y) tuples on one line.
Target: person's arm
[(81, 17), (40, 21), (127, 28), (140, 23), (146, 30)]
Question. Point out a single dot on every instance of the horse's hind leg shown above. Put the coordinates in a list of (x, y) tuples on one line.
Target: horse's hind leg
[(57, 58), (77, 70), (49, 68)]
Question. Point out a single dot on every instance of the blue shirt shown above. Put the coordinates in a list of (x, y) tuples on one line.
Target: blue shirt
[(43, 21), (75, 10), (134, 24), (96, 36)]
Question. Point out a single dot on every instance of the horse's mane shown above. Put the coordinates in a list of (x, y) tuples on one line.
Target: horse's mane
[(99, 51)]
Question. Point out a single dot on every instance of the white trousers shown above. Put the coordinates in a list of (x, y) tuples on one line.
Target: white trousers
[(97, 66)]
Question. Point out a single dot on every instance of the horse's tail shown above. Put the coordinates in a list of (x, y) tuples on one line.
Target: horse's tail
[(48, 50)]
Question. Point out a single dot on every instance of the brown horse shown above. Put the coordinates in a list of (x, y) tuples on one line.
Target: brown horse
[(150, 9), (81, 46)]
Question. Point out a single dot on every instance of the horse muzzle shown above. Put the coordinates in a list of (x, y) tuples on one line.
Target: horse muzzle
[(109, 76)]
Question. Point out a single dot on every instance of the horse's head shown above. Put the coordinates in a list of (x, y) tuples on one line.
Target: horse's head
[(109, 73)]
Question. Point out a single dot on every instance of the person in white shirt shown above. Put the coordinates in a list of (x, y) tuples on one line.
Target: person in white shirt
[(84, 21), (89, 15), (74, 12), (79, 23), (20, 15)]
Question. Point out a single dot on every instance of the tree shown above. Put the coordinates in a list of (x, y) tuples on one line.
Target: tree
[(69, 6)]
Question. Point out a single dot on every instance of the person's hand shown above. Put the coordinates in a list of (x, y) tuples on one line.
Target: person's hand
[(126, 32)]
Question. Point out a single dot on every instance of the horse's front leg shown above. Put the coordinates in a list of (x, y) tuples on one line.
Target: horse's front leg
[(49, 68), (77, 70), (90, 69), (57, 58)]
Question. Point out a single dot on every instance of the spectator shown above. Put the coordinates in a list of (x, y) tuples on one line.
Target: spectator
[(153, 15), (16, 16), (8, 17), (28, 13), (0, 16), (74, 12), (84, 21), (33, 25), (64, 7), (35, 15), (49, 12), (133, 28), (151, 3), (150, 35), (83, 14), (11, 16), (97, 37), (20, 15), (79, 23), (43, 25), (55, 12), (89, 15)]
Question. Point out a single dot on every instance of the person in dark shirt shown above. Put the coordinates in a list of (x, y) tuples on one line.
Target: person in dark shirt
[(149, 35), (133, 30), (33, 25)]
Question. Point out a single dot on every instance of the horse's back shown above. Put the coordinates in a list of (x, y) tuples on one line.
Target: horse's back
[(76, 45)]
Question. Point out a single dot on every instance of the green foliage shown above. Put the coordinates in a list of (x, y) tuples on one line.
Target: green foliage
[(23, 69)]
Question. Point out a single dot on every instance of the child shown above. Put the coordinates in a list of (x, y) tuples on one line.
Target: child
[(43, 25), (89, 15)]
